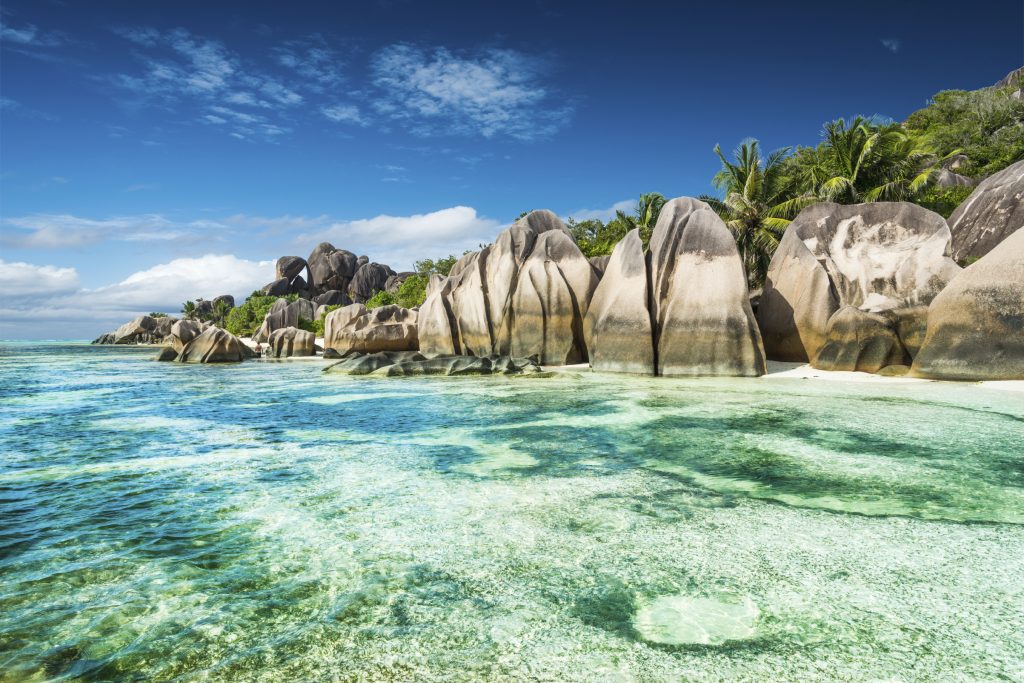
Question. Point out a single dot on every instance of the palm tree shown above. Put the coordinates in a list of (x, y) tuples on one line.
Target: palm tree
[(866, 161), (760, 202), (220, 312), (645, 216), (188, 309)]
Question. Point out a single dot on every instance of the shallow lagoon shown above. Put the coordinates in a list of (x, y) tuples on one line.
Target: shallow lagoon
[(269, 522)]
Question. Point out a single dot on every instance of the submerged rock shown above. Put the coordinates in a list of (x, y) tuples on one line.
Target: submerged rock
[(993, 212), (885, 257), (290, 341), (976, 324), (412, 363), (682, 310)]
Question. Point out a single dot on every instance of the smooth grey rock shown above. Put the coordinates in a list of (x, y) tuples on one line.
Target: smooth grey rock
[(214, 345), (137, 331), (365, 363), (289, 267), (394, 282), (291, 341), (618, 323), (226, 298), (278, 287), (332, 297), (368, 280), (860, 341), (107, 338), (976, 324), (879, 257), (600, 264), (950, 179), (993, 212), (705, 323), (1011, 79), (437, 328), (182, 332), (285, 314), (354, 328)]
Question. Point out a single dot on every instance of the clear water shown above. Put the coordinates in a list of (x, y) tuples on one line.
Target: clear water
[(269, 522)]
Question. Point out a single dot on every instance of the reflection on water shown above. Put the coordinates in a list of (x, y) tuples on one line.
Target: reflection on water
[(268, 521)]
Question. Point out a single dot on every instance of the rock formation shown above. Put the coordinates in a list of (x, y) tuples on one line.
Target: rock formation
[(883, 258), (526, 295), (331, 268), (291, 341), (214, 345), (369, 279), (353, 328), (137, 331), (414, 364), (285, 314), (681, 310), (994, 211), (976, 324)]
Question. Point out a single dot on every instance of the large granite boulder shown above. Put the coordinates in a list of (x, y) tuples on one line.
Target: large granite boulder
[(525, 295), (332, 297), (860, 341), (994, 211), (106, 338), (138, 331), (618, 324), (182, 332), (289, 267), (552, 297), (366, 363), (368, 280), (681, 310), (285, 314), (163, 327), (214, 345), (278, 287), (976, 324), (354, 328), (885, 257), (291, 341), (331, 268)]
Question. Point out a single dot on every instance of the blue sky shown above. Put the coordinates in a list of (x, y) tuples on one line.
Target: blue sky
[(156, 151)]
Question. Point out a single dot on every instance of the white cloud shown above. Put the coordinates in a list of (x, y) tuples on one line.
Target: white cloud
[(29, 36), (892, 44), (344, 113), (496, 93), (603, 214), (64, 311), (399, 241), (314, 60), (27, 280), (56, 231)]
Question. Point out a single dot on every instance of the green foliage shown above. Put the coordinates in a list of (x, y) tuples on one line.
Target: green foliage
[(987, 125), (188, 309), (308, 325), (441, 266), (380, 299), (220, 312), (157, 315), (944, 200), (596, 238), (760, 202), (319, 325), (245, 320), (413, 291)]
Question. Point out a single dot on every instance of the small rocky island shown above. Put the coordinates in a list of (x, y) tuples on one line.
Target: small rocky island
[(865, 287)]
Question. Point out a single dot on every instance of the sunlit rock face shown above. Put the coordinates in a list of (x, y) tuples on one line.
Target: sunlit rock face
[(290, 341), (214, 345), (285, 314), (682, 309), (976, 325), (994, 211), (885, 258), (527, 295), (354, 328)]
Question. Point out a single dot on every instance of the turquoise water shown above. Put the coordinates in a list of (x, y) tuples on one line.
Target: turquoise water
[(270, 522)]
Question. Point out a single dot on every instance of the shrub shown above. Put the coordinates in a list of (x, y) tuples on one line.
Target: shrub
[(380, 299), (245, 320), (944, 200), (319, 325), (157, 315)]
